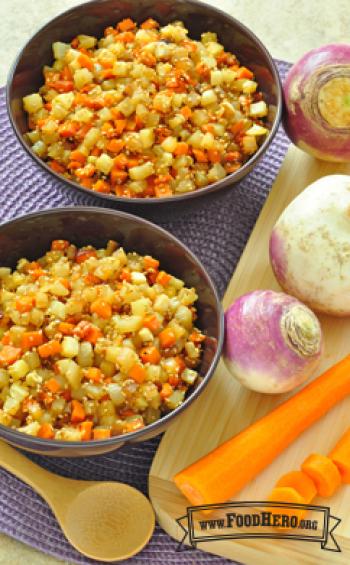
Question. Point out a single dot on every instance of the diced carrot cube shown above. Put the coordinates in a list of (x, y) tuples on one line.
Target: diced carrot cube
[(86, 430), (49, 349), (163, 278), (46, 431), (243, 72), (152, 323), (167, 390), (59, 244), (85, 61), (126, 25), (32, 339), (125, 275), (115, 145), (167, 338), (186, 112), (149, 24), (150, 355), (137, 373), (24, 303), (200, 155), (65, 328), (57, 167), (52, 385), (78, 412), (181, 148), (99, 433), (9, 354), (84, 254), (101, 308), (150, 263)]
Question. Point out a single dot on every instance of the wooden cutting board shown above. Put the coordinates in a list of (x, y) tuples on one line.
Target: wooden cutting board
[(225, 407)]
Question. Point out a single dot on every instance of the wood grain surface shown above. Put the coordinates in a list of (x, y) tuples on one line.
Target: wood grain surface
[(225, 407)]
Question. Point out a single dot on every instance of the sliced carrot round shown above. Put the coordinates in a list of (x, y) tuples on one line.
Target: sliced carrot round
[(323, 472), (288, 494), (301, 482)]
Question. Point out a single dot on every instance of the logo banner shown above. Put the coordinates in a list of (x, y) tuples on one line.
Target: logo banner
[(263, 519)]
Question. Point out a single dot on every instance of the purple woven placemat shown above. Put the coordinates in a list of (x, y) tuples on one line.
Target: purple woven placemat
[(217, 232)]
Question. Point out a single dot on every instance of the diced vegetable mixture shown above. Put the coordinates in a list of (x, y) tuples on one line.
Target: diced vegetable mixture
[(93, 343), (145, 111)]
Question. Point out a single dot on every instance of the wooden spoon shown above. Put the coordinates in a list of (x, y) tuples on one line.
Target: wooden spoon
[(106, 521)]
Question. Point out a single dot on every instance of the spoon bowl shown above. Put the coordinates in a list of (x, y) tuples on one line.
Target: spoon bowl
[(112, 519), (106, 521)]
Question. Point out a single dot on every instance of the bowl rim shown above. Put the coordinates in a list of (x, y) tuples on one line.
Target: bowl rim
[(208, 189), (9, 434)]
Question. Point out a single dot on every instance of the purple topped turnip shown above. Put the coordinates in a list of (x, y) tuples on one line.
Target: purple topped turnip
[(317, 103), (273, 342)]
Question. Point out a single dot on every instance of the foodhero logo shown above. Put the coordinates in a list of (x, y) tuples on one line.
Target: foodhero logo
[(263, 519)]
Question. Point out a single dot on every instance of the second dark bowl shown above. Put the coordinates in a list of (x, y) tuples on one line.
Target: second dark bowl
[(92, 17), (30, 237)]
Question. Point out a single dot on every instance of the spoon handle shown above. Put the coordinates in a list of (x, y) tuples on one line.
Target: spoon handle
[(42, 481)]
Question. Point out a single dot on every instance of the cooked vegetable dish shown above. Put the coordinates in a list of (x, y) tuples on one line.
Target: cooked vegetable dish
[(94, 343), (145, 111)]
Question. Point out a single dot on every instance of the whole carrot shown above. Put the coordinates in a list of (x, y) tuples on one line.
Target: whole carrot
[(218, 476)]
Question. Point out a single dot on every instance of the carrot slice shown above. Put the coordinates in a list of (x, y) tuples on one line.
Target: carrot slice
[(78, 412), (301, 482), (288, 494), (323, 472), (222, 473), (340, 456)]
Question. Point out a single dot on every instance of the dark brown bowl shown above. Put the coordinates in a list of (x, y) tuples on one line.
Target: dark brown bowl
[(30, 236), (92, 17)]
